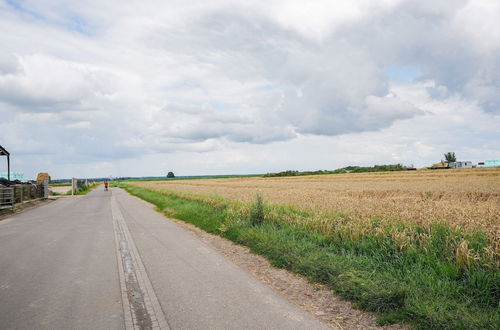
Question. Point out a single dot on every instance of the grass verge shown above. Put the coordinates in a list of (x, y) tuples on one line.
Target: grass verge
[(85, 189), (420, 285)]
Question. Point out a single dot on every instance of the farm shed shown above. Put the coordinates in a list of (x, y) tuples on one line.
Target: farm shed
[(489, 163), (464, 164)]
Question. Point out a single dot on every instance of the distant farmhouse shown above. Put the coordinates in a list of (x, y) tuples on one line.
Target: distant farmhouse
[(464, 164), (489, 163)]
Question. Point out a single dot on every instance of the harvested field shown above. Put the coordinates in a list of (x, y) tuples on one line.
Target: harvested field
[(466, 199)]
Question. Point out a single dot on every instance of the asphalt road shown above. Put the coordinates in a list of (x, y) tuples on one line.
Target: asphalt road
[(108, 261)]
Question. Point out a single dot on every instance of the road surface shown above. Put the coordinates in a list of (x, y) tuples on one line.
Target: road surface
[(108, 261)]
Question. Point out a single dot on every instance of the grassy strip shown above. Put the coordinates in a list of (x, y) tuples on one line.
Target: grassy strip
[(424, 288), (85, 189)]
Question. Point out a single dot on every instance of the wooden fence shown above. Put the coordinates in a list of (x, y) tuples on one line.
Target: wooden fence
[(18, 193)]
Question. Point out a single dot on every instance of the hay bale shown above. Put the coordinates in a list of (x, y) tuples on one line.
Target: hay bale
[(41, 177)]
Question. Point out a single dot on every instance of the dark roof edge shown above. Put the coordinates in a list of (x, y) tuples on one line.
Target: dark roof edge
[(3, 152)]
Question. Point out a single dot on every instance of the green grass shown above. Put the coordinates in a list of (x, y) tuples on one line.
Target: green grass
[(85, 189), (424, 288)]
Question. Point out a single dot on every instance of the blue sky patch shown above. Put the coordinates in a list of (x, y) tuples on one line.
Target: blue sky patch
[(402, 74), (71, 21), (17, 6), (220, 106)]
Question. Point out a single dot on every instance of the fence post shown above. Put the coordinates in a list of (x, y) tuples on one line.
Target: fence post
[(73, 183), (46, 188)]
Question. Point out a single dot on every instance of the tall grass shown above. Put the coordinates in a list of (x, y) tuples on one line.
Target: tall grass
[(432, 277), (257, 210)]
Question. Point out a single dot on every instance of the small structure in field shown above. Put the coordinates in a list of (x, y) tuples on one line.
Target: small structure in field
[(440, 166), (489, 163), (461, 164)]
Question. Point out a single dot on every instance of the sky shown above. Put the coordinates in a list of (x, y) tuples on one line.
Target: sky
[(140, 88)]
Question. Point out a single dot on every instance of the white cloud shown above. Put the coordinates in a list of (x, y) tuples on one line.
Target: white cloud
[(42, 80), (215, 86)]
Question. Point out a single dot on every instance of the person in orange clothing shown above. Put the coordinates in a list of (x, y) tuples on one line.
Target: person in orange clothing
[(106, 183)]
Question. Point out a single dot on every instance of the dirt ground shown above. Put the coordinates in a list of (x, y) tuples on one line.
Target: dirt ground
[(60, 189)]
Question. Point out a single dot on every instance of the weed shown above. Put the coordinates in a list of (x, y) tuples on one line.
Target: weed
[(257, 210)]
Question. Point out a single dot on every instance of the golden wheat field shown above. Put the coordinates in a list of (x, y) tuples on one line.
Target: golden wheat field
[(466, 199)]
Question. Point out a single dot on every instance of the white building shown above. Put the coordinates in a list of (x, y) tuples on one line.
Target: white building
[(465, 164), (489, 163)]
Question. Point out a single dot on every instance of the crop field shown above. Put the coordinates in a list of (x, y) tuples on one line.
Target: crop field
[(468, 199), (421, 247)]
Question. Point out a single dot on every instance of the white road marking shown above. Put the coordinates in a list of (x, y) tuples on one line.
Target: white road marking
[(140, 304)]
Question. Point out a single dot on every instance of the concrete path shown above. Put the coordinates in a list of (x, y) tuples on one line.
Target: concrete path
[(108, 261)]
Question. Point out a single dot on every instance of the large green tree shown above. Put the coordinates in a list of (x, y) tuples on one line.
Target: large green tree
[(170, 175), (450, 157)]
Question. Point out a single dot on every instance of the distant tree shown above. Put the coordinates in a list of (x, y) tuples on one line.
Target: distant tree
[(450, 157), (170, 175)]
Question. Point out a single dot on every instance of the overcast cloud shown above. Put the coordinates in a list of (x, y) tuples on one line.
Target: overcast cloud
[(97, 88)]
